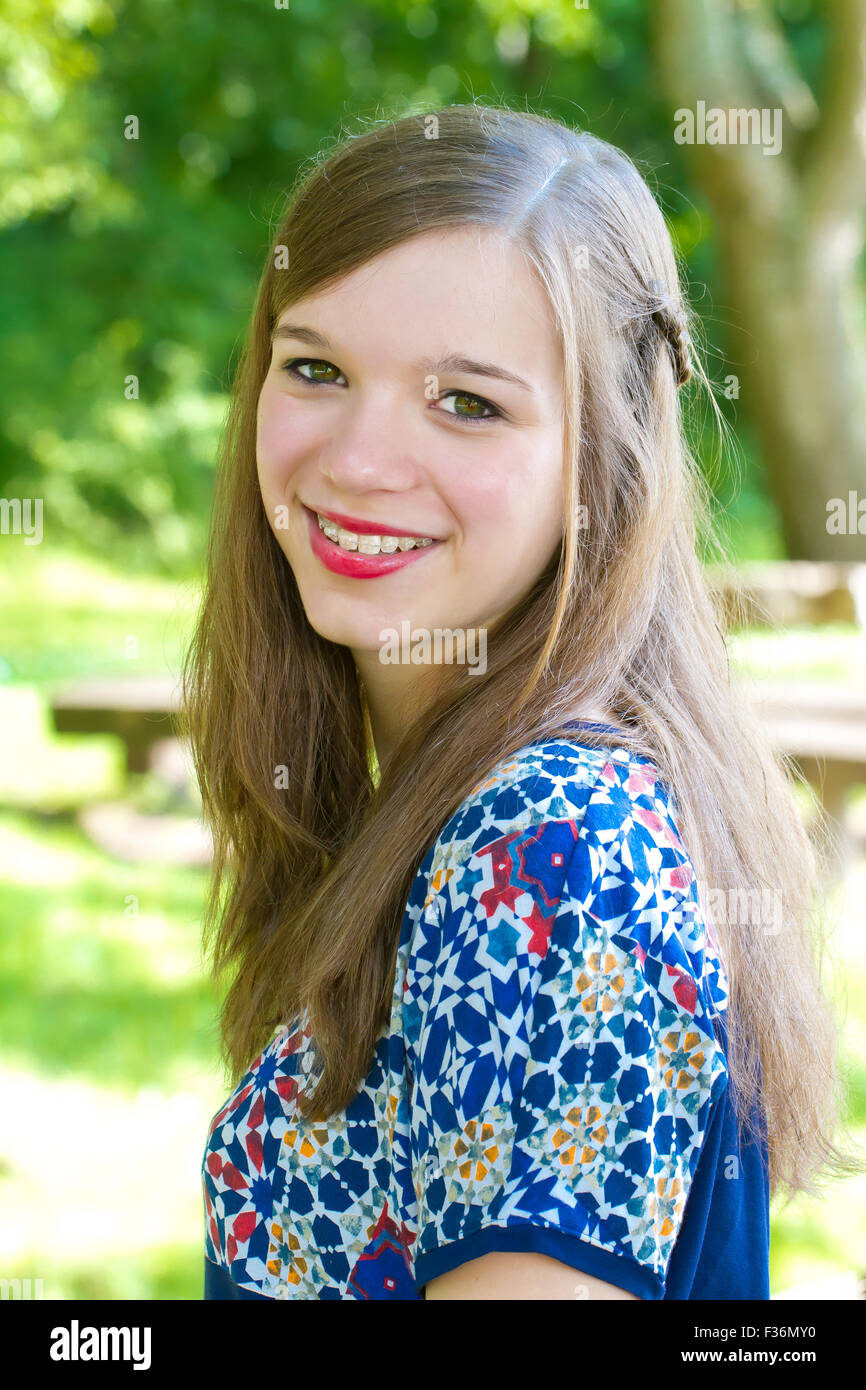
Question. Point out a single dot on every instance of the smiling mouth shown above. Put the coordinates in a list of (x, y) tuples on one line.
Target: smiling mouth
[(369, 544)]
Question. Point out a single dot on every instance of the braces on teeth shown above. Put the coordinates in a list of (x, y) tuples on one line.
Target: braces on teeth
[(370, 545)]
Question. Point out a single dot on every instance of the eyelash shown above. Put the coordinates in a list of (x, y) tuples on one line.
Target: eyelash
[(292, 368)]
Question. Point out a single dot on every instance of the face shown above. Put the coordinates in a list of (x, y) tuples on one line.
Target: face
[(362, 418)]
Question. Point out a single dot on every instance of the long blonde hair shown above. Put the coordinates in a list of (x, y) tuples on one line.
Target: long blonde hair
[(311, 876)]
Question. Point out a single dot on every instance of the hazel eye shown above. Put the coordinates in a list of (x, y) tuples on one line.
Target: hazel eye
[(476, 404), (315, 364)]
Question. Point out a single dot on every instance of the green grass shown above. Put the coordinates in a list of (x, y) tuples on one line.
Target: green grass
[(65, 618), (102, 995), (98, 940)]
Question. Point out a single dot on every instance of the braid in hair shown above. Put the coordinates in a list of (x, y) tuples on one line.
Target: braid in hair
[(671, 321)]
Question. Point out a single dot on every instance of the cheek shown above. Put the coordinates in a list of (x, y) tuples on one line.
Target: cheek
[(513, 501), (281, 441)]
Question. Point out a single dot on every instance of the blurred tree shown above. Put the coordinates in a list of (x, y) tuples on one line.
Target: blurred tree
[(791, 232)]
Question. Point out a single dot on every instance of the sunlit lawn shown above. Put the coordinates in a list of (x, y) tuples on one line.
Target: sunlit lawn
[(109, 1067)]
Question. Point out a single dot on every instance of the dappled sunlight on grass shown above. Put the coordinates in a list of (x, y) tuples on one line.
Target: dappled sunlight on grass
[(26, 859), (39, 767), (110, 1052), (816, 1237), (98, 1185), (100, 965), (65, 616)]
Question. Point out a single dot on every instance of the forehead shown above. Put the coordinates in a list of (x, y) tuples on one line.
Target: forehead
[(464, 288)]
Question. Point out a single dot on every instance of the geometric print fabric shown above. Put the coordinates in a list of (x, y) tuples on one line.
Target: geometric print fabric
[(548, 1076)]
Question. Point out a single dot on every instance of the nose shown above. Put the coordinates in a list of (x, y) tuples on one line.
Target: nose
[(371, 445)]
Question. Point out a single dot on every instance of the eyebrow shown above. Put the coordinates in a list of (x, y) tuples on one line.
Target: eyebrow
[(452, 362)]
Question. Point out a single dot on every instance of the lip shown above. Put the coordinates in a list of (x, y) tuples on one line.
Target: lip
[(353, 565), (367, 528)]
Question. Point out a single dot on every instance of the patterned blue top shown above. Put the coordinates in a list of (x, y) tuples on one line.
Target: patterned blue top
[(553, 1077)]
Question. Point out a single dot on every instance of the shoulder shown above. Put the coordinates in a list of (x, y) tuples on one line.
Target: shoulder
[(593, 795), (578, 847)]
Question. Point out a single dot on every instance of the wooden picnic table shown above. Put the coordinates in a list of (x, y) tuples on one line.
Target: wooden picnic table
[(822, 727), (784, 593), (140, 710)]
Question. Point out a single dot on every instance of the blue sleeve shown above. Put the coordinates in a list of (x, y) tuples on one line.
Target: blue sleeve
[(565, 1063)]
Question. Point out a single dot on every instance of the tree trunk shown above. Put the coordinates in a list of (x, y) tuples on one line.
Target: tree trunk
[(791, 233)]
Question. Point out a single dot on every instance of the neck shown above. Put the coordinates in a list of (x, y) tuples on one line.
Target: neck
[(391, 698)]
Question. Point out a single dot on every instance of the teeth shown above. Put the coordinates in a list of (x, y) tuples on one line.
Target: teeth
[(370, 545)]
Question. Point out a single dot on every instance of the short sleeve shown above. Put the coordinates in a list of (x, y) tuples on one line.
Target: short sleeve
[(564, 1061)]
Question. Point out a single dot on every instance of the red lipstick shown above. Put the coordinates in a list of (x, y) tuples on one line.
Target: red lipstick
[(351, 563), (368, 528)]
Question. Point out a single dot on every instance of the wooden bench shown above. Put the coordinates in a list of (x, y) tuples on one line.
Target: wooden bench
[(822, 727), (784, 593), (140, 710)]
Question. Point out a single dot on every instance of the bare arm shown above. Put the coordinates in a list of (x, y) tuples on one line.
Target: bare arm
[(520, 1275)]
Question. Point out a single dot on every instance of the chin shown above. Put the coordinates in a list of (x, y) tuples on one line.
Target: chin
[(334, 625)]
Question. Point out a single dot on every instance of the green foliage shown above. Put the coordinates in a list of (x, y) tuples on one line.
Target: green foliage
[(139, 257)]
